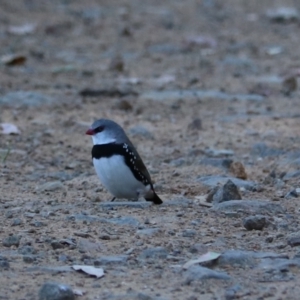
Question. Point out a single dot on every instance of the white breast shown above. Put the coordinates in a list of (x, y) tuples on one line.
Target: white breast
[(118, 178)]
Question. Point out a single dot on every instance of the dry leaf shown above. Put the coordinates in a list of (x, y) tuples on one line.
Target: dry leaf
[(22, 30), (203, 258), (78, 292), (8, 128), (98, 272), (202, 201)]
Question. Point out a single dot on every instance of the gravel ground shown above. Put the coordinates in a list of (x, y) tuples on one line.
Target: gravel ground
[(207, 91)]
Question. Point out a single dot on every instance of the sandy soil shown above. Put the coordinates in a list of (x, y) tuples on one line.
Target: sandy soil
[(124, 51)]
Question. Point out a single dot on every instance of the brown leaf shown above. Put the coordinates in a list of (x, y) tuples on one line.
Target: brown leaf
[(13, 59), (238, 170)]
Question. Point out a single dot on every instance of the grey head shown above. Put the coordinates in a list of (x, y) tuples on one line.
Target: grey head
[(104, 131)]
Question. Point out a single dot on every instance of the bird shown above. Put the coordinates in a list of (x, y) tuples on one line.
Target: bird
[(118, 164)]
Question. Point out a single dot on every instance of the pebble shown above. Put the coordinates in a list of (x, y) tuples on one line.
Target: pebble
[(130, 221), (108, 91), (29, 259), (294, 240), (283, 14), (148, 231), (223, 163), (196, 124), (189, 233), (26, 98), (198, 248), (236, 258), (4, 264), (249, 206), (140, 131), (197, 273), (291, 175), (257, 222), (50, 186), (56, 291), (262, 150), (213, 180), (111, 260), (291, 194), (229, 191), (12, 240), (219, 152), (16, 222), (167, 49), (27, 250), (157, 252)]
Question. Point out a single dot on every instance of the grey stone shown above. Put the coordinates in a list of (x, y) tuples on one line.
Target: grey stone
[(12, 240), (131, 295), (178, 162), (229, 191), (165, 49), (219, 152), (291, 175), (4, 264), (171, 96), (130, 221), (109, 91), (29, 259), (62, 176), (262, 150), (27, 98), (283, 14), (26, 250), (148, 231), (50, 186), (213, 180), (57, 245), (231, 292), (16, 222), (282, 265), (111, 260), (217, 162), (56, 291), (237, 258), (196, 273), (238, 65), (294, 240), (178, 202), (198, 248), (257, 222), (140, 131), (157, 253), (249, 206), (189, 233)]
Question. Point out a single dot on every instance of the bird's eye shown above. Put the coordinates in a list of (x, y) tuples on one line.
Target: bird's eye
[(99, 129)]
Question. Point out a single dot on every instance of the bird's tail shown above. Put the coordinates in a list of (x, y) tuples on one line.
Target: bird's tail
[(155, 199)]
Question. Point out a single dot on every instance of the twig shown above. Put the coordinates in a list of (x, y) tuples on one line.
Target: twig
[(6, 155)]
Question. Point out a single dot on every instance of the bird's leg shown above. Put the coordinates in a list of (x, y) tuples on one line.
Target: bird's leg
[(113, 199)]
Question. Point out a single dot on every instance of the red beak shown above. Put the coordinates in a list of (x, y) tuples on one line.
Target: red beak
[(90, 132)]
